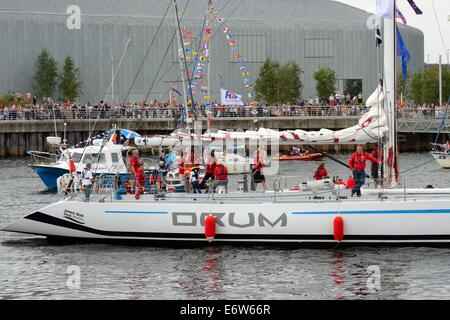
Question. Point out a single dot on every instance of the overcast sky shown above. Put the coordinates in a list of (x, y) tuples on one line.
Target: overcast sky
[(426, 22)]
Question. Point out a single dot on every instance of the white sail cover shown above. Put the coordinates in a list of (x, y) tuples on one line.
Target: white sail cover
[(371, 127)]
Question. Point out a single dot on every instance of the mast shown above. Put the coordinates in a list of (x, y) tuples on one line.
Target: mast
[(180, 59), (112, 80), (183, 57), (390, 149)]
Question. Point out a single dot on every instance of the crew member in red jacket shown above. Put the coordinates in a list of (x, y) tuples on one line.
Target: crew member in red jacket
[(140, 181), (321, 172), (211, 165), (357, 164), (221, 177)]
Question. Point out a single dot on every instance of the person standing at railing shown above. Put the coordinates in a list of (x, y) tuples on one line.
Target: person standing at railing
[(257, 171), (134, 164), (87, 181), (357, 165)]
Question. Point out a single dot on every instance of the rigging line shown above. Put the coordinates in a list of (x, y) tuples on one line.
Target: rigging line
[(442, 122), (164, 58), (415, 167), (148, 51), (212, 37), (106, 95), (439, 27)]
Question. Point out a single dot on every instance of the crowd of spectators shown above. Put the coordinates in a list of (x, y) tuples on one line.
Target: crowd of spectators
[(25, 107)]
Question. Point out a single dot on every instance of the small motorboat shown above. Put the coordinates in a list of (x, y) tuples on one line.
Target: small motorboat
[(303, 157)]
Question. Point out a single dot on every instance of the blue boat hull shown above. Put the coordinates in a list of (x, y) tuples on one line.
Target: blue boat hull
[(49, 176)]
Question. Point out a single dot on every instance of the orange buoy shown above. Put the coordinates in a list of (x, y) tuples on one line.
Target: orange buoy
[(338, 229), (210, 227)]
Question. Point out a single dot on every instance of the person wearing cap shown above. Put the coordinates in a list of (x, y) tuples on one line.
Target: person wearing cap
[(155, 181), (211, 165), (194, 180)]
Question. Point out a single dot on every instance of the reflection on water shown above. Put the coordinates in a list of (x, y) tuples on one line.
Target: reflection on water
[(31, 268)]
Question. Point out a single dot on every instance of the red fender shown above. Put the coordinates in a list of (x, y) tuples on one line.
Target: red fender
[(210, 227), (338, 229)]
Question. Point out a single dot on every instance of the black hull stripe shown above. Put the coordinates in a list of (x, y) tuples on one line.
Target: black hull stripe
[(44, 218)]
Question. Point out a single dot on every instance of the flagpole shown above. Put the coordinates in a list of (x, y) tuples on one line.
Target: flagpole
[(180, 47)]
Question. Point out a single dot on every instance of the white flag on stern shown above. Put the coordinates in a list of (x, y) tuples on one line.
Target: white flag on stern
[(230, 98)]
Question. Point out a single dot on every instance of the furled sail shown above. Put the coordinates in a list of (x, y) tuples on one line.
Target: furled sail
[(370, 128)]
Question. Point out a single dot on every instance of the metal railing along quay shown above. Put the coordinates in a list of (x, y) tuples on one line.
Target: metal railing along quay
[(75, 113)]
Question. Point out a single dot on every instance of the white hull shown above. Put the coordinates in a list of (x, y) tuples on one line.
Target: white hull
[(442, 158), (393, 220)]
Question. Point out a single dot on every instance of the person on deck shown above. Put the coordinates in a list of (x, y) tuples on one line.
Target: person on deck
[(182, 172), (140, 180), (211, 165), (321, 172), (257, 171), (155, 181), (87, 181), (377, 154), (221, 178), (194, 180), (350, 182), (357, 164)]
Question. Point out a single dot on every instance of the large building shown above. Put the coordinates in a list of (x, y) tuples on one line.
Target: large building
[(313, 33)]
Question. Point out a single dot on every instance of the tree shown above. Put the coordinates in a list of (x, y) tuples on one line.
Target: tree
[(425, 85), (279, 83), (266, 87), (46, 75), (326, 82), (70, 84), (289, 83)]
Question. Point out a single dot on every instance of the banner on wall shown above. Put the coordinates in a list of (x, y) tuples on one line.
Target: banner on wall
[(230, 98)]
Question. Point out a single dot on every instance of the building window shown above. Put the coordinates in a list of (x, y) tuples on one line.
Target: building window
[(319, 48), (252, 48)]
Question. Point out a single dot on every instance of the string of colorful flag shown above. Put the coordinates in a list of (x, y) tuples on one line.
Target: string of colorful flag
[(238, 58)]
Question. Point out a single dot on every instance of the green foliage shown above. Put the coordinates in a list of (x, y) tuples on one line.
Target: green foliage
[(353, 86), (266, 88), (6, 99), (325, 82), (425, 85), (279, 83), (46, 75), (69, 81), (289, 83)]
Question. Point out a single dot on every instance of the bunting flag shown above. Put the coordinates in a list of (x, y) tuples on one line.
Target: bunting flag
[(402, 51), (175, 90), (238, 59), (415, 7), (400, 16)]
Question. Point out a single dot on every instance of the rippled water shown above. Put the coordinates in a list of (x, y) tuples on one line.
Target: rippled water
[(31, 268)]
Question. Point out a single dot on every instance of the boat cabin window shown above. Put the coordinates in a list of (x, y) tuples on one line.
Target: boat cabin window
[(87, 158), (114, 157), (99, 157), (76, 157)]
